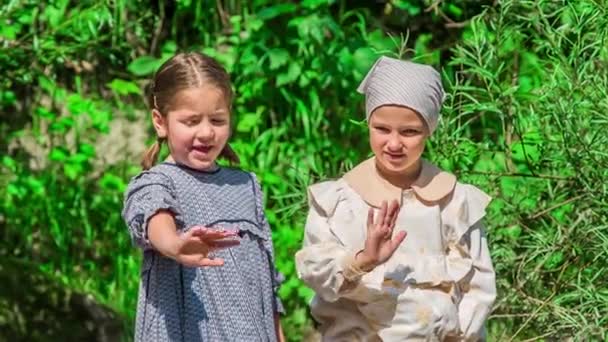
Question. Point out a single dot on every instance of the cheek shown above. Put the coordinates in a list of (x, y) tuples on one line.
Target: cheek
[(376, 141), (222, 133), (180, 132), (415, 144)]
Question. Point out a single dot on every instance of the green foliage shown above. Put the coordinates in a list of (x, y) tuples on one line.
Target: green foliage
[(525, 119)]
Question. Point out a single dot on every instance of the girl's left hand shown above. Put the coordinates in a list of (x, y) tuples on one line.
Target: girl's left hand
[(380, 243)]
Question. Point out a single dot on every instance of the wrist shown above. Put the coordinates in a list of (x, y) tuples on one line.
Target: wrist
[(364, 262), (168, 245)]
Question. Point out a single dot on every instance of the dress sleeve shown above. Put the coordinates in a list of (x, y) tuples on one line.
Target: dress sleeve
[(323, 262), (276, 277), (146, 194), (465, 220), (477, 301)]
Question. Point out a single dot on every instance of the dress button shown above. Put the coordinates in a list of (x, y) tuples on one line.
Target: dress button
[(407, 195)]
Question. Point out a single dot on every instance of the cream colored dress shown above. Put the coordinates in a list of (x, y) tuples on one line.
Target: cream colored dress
[(439, 284)]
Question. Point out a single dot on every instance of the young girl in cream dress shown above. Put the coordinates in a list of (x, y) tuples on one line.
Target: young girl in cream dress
[(373, 283)]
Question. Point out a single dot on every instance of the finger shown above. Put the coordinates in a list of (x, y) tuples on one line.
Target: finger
[(398, 239), (394, 213), (211, 262), (387, 232), (382, 214), (370, 218), (221, 244), (214, 234)]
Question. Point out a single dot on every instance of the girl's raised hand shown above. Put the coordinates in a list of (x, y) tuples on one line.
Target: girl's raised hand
[(380, 243), (194, 247)]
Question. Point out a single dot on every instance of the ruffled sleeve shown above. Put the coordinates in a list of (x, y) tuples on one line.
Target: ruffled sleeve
[(276, 277), (146, 194), (469, 259), (324, 263)]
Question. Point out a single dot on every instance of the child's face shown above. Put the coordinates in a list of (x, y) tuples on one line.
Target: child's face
[(397, 136), (197, 127)]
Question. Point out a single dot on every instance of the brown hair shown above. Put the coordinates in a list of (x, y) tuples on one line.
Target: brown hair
[(183, 71)]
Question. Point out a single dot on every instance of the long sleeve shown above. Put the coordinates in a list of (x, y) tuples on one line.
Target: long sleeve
[(276, 276), (476, 303), (146, 194), (324, 263)]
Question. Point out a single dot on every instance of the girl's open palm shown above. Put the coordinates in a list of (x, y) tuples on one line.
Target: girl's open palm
[(195, 246), (380, 243)]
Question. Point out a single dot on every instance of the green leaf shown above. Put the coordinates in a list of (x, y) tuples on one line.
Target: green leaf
[(8, 98), (513, 232), (247, 122), (278, 58), (58, 154), (35, 185), (314, 4), (112, 182), (72, 171), (271, 178), (275, 11), (169, 47), (47, 84), (454, 10), (291, 75), (10, 32), (78, 105), (554, 260), (123, 87), (364, 58), (144, 66), (9, 163), (522, 152), (87, 149), (45, 113)]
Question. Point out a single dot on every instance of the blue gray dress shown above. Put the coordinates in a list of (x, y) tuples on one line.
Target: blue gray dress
[(234, 302)]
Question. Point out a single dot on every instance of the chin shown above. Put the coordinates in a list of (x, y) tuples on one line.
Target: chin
[(201, 164), (393, 167)]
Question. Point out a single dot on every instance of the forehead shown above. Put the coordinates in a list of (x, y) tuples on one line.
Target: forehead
[(397, 115), (202, 100)]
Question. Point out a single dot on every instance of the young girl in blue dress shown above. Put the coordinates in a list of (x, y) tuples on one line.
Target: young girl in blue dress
[(208, 269)]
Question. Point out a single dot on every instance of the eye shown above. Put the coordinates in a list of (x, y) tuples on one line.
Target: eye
[(192, 121), (382, 129), (218, 121), (410, 132)]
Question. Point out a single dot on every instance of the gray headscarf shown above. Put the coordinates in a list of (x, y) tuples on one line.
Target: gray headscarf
[(392, 81)]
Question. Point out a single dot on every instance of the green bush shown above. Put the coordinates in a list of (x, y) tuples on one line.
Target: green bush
[(527, 120)]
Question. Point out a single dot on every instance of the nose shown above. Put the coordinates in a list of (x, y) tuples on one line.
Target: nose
[(205, 131), (394, 144)]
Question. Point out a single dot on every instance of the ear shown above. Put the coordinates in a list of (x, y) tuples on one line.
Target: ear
[(160, 124)]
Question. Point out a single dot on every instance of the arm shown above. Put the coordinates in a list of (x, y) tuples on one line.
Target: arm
[(477, 302), (162, 233), (334, 270), (151, 213), (323, 263), (278, 328)]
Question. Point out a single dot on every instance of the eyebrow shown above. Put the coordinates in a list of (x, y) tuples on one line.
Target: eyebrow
[(214, 113), (407, 126)]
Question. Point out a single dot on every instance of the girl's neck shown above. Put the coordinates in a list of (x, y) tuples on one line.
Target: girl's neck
[(211, 169), (404, 179)]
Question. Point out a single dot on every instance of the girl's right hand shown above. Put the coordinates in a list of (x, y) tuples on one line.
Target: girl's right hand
[(380, 244), (194, 247)]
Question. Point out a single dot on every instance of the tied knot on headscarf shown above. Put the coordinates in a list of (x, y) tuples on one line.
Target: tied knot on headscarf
[(416, 86)]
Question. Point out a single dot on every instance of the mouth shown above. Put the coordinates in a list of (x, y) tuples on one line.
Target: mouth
[(394, 156), (202, 148)]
